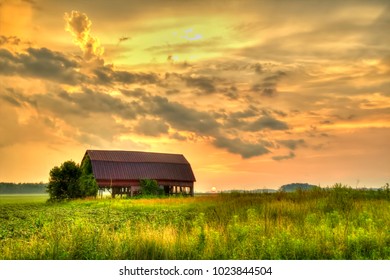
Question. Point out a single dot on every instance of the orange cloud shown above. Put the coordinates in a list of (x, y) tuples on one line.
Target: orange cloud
[(79, 25)]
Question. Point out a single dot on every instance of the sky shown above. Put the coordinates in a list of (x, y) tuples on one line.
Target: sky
[(255, 94)]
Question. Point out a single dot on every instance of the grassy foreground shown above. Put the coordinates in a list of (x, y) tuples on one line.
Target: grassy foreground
[(337, 223)]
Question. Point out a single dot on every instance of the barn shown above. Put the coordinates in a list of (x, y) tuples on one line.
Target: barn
[(120, 172)]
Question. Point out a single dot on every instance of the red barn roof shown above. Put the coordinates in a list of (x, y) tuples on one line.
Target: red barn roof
[(128, 167)]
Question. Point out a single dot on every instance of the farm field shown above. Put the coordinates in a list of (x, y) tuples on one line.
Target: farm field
[(336, 223), (22, 198)]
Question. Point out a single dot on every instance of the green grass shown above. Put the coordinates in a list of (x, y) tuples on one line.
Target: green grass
[(22, 198), (338, 223)]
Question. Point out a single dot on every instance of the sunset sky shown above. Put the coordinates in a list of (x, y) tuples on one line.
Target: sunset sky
[(255, 94)]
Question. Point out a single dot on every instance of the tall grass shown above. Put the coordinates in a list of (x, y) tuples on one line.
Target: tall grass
[(335, 223)]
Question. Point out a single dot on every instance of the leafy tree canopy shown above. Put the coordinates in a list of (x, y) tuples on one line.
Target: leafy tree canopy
[(68, 181)]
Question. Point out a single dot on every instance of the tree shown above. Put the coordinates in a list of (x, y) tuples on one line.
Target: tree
[(150, 187), (64, 181), (88, 185), (68, 181)]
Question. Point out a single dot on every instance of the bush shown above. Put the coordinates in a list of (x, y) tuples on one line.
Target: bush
[(150, 187)]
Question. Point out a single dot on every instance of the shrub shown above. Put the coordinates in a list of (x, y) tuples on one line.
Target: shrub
[(150, 187)]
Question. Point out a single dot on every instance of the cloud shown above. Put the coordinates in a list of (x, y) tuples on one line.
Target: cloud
[(267, 87), (11, 100), (9, 40), (85, 114), (13, 131), (291, 144), (151, 127), (266, 122), (122, 39), (11, 96), (251, 111), (107, 75), (172, 91), (237, 146), (178, 136), (79, 25), (92, 101), (204, 45), (136, 93), (289, 156), (40, 63), (181, 117), (232, 92), (203, 83)]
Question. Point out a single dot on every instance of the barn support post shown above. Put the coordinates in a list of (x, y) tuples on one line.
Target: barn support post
[(113, 192)]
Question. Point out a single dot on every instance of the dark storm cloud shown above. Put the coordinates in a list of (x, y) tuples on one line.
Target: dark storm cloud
[(40, 63), (289, 156), (237, 146)]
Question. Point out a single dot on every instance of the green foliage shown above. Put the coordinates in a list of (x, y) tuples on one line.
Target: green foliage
[(297, 186), (333, 223), (86, 165), (88, 185), (386, 190), (150, 187), (69, 181), (64, 181)]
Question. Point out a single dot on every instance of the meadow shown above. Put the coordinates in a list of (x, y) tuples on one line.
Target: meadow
[(334, 223)]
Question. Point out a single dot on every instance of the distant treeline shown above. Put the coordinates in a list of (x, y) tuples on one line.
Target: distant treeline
[(16, 188), (295, 186)]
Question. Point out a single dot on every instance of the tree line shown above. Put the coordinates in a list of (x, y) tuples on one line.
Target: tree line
[(22, 188)]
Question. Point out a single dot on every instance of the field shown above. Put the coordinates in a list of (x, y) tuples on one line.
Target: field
[(336, 223)]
